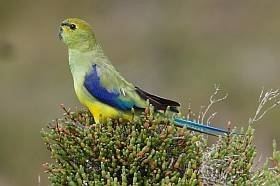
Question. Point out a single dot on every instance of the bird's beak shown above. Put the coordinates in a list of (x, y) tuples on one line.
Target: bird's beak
[(60, 33)]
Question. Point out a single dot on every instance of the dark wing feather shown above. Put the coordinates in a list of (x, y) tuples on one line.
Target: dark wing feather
[(158, 102)]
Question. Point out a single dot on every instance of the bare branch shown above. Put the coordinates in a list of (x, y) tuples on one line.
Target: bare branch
[(211, 117), (265, 99), (213, 100)]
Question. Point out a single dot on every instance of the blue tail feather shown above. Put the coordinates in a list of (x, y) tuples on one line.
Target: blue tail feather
[(199, 127)]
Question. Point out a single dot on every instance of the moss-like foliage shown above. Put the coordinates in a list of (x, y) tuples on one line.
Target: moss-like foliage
[(148, 151)]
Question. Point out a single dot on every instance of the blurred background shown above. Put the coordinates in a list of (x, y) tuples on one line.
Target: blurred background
[(175, 49)]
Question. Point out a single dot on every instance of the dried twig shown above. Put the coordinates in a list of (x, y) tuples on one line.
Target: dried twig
[(213, 100), (211, 117), (265, 99)]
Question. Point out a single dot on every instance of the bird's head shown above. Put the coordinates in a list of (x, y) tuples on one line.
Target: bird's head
[(77, 34)]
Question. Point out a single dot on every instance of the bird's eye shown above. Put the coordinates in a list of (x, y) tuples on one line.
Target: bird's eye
[(72, 26)]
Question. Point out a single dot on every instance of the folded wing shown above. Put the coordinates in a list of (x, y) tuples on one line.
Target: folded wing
[(107, 86)]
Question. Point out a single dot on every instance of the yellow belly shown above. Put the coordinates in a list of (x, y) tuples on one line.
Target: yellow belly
[(100, 110)]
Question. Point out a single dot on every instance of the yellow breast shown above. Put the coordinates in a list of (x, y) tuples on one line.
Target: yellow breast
[(99, 109)]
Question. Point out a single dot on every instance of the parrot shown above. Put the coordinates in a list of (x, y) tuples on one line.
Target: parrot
[(103, 90)]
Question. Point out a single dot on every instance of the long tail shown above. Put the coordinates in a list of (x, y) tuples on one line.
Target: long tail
[(199, 127)]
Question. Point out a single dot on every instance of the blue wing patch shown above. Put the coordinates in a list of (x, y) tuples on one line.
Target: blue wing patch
[(94, 86)]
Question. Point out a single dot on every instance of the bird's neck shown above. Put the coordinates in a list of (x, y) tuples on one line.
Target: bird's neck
[(95, 55), (81, 62), (84, 44)]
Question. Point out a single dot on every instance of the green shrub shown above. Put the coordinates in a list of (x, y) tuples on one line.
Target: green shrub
[(149, 151)]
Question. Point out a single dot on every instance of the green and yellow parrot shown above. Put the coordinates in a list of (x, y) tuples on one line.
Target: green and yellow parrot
[(102, 89)]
